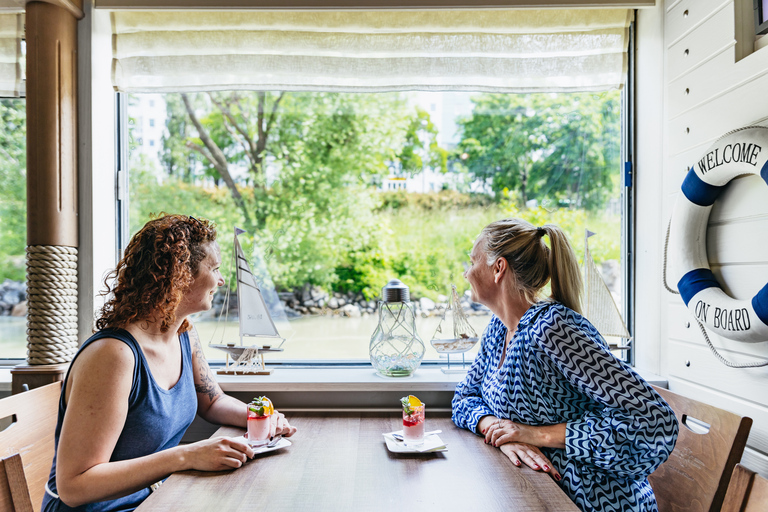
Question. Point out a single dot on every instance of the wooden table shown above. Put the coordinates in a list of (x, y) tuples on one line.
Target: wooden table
[(340, 462)]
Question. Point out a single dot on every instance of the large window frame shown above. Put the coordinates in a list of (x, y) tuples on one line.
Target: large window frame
[(627, 223)]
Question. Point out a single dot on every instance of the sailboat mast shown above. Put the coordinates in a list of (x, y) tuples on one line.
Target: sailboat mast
[(238, 251)]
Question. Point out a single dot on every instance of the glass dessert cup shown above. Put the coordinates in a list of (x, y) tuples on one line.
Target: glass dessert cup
[(413, 425), (258, 429), (259, 421)]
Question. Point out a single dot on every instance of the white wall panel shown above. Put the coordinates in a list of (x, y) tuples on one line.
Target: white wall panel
[(701, 83), (721, 95), (677, 166), (744, 198), (695, 363), (687, 15), (707, 40), (744, 106), (738, 242)]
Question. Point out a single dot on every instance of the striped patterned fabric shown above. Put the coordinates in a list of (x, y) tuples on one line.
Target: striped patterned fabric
[(558, 369)]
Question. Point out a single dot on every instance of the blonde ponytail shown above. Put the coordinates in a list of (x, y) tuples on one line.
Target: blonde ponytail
[(565, 275), (534, 264)]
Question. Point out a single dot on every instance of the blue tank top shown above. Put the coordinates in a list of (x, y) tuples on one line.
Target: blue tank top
[(157, 419)]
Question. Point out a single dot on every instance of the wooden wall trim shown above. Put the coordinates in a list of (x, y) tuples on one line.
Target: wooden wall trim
[(52, 125), (371, 4), (74, 7)]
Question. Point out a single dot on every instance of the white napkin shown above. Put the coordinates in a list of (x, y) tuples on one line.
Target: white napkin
[(431, 442)]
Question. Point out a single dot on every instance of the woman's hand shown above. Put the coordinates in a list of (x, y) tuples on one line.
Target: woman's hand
[(531, 456), (507, 431), (217, 454), (280, 426), (500, 432)]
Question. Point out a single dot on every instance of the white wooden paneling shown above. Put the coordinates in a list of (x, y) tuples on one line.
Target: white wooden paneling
[(757, 444), (744, 106), (744, 198), (755, 460), (717, 76), (648, 186), (738, 242), (709, 93), (696, 363), (687, 15), (710, 38), (701, 83), (677, 166), (742, 281)]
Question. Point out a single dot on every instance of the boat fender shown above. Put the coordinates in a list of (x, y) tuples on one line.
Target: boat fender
[(737, 153)]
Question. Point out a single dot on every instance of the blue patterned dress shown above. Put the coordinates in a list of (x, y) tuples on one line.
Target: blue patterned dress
[(558, 369)]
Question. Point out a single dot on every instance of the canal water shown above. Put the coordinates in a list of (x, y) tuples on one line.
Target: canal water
[(326, 338)]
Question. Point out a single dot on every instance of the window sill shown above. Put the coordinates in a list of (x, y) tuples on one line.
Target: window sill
[(337, 380)]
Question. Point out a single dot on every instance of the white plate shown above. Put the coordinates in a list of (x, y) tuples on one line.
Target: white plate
[(282, 443), (431, 444)]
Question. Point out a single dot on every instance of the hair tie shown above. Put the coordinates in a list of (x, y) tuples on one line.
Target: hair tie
[(541, 231)]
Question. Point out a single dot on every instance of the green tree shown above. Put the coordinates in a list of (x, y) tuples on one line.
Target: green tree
[(299, 168), (420, 149), (13, 191), (550, 147)]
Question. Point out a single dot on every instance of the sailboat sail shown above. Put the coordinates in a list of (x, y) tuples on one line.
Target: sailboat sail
[(462, 335), (599, 306), (254, 317)]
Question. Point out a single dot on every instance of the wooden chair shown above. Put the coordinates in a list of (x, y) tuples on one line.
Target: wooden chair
[(710, 443), (747, 492), (27, 446)]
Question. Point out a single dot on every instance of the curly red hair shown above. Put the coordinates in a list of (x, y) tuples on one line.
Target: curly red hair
[(156, 270)]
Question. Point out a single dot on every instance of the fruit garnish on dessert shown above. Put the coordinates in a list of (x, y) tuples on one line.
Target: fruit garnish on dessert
[(409, 403), (261, 406)]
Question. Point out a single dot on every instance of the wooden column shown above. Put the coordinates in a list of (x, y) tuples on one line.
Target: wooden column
[(52, 218)]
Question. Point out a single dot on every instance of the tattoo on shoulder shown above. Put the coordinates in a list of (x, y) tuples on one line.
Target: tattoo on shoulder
[(207, 385)]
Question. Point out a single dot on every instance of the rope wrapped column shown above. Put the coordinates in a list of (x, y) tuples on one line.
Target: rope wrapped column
[(52, 184), (52, 304)]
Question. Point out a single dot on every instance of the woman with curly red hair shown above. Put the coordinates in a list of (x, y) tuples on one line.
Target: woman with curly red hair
[(135, 386)]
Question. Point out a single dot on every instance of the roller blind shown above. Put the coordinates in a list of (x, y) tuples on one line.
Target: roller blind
[(11, 34), (371, 51)]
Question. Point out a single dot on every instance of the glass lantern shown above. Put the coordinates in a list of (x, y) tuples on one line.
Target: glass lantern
[(396, 349)]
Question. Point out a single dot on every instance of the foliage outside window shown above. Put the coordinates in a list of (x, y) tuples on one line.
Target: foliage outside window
[(13, 227), (340, 192)]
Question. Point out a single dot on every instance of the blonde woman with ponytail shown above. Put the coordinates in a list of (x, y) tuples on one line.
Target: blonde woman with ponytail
[(545, 389)]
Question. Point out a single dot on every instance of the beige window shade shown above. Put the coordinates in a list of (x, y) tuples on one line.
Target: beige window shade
[(11, 34), (367, 51)]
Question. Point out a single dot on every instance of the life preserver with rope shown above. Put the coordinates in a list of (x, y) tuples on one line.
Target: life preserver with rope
[(737, 153)]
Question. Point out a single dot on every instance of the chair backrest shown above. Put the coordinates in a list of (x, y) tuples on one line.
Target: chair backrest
[(710, 443), (747, 492), (27, 446)]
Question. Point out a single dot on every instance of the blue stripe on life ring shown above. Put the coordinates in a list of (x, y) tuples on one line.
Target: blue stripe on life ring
[(699, 192), (696, 280), (760, 302), (764, 172)]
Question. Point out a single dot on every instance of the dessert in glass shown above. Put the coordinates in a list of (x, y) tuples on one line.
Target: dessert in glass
[(413, 420), (260, 411)]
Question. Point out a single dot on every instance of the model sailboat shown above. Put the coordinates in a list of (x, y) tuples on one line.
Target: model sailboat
[(454, 334), (599, 307), (256, 324)]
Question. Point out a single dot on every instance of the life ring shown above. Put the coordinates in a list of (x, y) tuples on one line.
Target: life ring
[(737, 153)]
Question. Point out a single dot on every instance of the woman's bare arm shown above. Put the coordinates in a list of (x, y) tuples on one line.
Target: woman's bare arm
[(217, 407), (97, 406)]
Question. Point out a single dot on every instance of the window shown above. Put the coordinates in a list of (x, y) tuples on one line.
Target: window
[(152, 123), (13, 231), (343, 191)]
